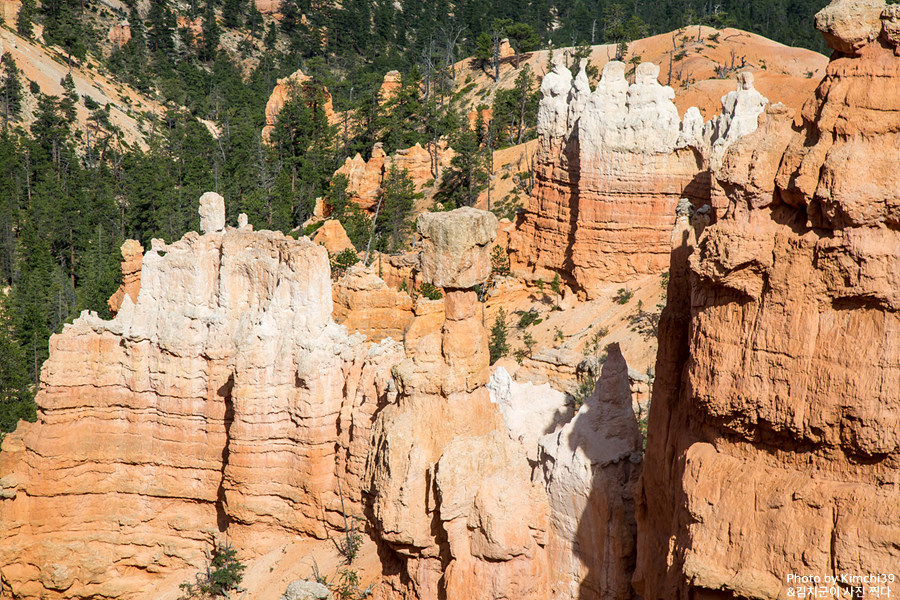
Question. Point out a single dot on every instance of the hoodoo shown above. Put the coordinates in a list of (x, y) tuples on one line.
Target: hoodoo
[(773, 439), (224, 399), (612, 165)]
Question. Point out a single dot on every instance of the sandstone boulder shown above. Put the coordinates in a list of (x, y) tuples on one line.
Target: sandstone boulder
[(306, 590), (450, 492), (389, 86), (740, 113), (849, 25), (456, 246)]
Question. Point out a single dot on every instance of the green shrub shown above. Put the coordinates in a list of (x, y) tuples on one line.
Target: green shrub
[(342, 261), (529, 342), (499, 261), (223, 575), (529, 318), (623, 296), (430, 291), (499, 345)]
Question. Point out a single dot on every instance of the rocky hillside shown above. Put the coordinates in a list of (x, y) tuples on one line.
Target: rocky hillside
[(131, 113)]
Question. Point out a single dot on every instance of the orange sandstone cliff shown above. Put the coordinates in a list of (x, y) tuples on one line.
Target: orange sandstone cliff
[(611, 167), (773, 442), (223, 400)]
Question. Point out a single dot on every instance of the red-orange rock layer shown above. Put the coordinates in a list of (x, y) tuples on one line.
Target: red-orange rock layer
[(773, 442), (223, 400)]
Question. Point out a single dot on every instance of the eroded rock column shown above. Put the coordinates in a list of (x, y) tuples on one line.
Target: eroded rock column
[(774, 444), (451, 497)]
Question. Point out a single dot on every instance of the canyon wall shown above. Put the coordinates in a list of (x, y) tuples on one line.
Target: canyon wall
[(773, 443), (225, 399), (611, 166)]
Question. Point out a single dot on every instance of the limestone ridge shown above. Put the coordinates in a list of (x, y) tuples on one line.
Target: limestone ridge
[(778, 373), (224, 399)]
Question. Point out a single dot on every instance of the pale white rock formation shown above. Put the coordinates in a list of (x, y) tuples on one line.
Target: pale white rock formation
[(212, 213), (578, 96), (590, 467), (640, 118), (651, 120), (691, 128), (553, 111), (529, 411), (740, 116), (604, 106)]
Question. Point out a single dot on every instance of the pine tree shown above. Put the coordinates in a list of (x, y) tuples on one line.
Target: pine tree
[(161, 30), (70, 97), (25, 19), (399, 196), (211, 35), (232, 12), (30, 303), (498, 345), (401, 115), (16, 397), (468, 174), (12, 90), (304, 142)]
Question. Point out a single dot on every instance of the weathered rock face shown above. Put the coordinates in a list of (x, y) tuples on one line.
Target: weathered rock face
[(389, 86), (224, 399), (590, 467), (450, 494), (773, 439), (284, 89), (333, 237), (364, 303), (132, 258), (611, 167), (120, 33), (365, 177)]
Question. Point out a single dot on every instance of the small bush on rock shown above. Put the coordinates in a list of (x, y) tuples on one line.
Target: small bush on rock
[(222, 576)]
